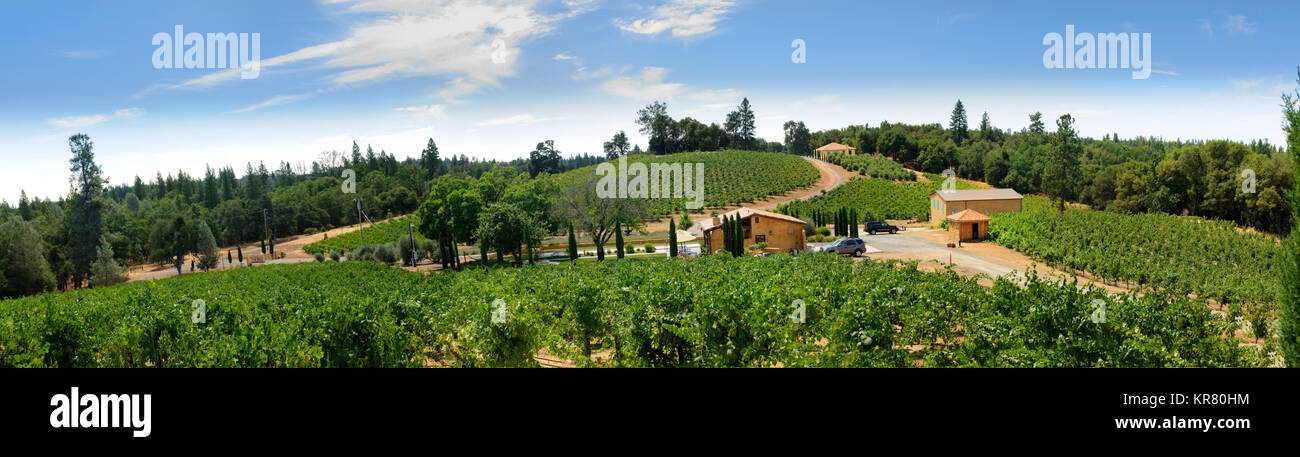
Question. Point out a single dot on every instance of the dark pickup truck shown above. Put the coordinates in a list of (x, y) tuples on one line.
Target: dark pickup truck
[(874, 227)]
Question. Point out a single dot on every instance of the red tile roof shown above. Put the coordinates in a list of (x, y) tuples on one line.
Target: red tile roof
[(968, 215), (746, 213), (836, 147)]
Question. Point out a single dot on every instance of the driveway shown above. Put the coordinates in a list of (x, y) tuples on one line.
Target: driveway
[(917, 244)]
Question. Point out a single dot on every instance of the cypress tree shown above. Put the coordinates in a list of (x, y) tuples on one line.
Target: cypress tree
[(263, 247), (271, 246), (229, 257), (618, 238), (240, 250), (573, 243), (672, 238)]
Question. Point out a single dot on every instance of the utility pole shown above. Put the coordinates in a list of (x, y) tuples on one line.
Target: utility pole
[(359, 231)]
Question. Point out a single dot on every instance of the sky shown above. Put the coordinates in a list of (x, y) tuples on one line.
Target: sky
[(492, 79)]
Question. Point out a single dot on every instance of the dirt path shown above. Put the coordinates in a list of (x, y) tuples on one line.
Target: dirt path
[(970, 259), (832, 176), (291, 246)]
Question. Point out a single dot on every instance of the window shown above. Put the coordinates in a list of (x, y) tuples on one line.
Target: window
[(760, 239)]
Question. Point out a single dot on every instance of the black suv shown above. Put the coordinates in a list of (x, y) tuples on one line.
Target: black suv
[(880, 226)]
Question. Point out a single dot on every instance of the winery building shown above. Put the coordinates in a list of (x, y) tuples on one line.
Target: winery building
[(944, 203), (781, 232)]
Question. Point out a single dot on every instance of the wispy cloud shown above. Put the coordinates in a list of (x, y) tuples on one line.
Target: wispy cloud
[(1237, 24), (434, 111), (649, 85), (84, 54), (563, 56), (274, 101), (84, 122), (1246, 83), (683, 18), (474, 42), (520, 119)]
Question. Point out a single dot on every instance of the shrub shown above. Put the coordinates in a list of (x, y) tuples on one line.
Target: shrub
[(649, 248), (406, 246), (386, 254), (320, 257), (335, 255), (823, 231)]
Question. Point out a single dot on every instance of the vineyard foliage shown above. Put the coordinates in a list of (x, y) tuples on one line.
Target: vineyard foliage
[(811, 310), (386, 232), (1213, 259), (731, 177), (875, 199), (873, 165)]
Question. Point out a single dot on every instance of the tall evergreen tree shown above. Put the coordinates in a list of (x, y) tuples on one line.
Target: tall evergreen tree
[(672, 238), (1062, 168), (1036, 123), (618, 239), (1289, 279), (86, 225), (957, 124), (573, 243), (430, 161)]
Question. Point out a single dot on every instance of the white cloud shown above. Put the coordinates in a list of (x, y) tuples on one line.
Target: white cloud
[(77, 122), (84, 122), (684, 18), (408, 38), (273, 101), (520, 119), (128, 113), (584, 73), (563, 56), (1246, 83), (435, 111), (649, 85), (1237, 24)]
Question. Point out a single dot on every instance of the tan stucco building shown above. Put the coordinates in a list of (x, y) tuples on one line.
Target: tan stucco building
[(967, 225), (825, 151), (781, 232), (986, 201)]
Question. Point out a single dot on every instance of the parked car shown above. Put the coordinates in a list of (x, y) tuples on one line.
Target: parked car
[(851, 246), (874, 227)]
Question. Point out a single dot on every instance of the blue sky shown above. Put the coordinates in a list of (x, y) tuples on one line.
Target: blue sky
[(393, 73)]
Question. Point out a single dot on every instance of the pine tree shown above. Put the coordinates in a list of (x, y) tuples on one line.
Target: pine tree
[(958, 125), (672, 239), (105, 271), (1289, 279)]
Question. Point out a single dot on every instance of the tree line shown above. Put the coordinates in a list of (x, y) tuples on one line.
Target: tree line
[(1246, 183)]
